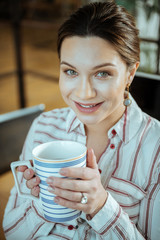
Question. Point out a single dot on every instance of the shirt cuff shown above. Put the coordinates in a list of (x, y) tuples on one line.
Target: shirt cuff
[(106, 218)]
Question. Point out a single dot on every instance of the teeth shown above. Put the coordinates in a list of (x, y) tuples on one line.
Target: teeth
[(88, 106)]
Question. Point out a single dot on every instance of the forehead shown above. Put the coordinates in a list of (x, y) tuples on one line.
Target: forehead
[(89, 50)]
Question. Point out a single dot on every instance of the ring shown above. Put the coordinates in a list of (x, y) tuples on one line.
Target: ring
[(84, 199)]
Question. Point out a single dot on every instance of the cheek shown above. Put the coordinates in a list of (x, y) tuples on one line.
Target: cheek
[(112, 90), (107, 89), (65, 87)]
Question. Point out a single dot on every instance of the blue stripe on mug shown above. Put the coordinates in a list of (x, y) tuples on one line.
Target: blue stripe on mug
[(53, 219), (39, 175), (59, 165), (40, 170), (47, 194), (60, 213), (62, 208), (48, 201), (43, 171), (45, 189), (44, 183), (43, 176)]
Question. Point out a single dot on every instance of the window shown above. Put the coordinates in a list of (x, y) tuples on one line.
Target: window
[(147, 14)]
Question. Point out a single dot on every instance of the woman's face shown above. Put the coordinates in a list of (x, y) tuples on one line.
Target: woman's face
[(93, 78)]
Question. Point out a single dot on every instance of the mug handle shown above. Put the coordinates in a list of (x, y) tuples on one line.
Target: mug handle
[(13, 168)]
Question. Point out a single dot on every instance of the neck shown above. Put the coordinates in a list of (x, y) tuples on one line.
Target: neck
[(103, 127)]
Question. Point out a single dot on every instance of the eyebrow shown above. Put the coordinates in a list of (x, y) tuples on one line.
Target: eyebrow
[(98, 66), (63, 62)]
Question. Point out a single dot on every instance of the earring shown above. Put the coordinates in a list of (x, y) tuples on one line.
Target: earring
[(127, 101)]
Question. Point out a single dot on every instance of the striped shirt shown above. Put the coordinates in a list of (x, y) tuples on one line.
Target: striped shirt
[(130, 172)]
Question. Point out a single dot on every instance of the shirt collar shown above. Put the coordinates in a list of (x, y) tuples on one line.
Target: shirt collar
[(129, 124), (73, 123)]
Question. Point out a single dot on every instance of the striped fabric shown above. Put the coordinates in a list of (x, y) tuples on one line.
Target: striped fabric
[(130, 172)]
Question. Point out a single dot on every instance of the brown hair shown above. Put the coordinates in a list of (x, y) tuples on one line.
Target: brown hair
[(106, 20)]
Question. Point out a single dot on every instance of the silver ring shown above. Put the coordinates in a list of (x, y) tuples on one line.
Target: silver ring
[(84, 199)]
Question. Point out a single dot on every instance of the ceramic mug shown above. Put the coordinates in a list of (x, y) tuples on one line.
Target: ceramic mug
[(48, 159)]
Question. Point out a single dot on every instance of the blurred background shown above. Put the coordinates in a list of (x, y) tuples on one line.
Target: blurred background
[(29, 66)]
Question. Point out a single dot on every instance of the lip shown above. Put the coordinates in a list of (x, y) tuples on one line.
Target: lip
[(94, 108)]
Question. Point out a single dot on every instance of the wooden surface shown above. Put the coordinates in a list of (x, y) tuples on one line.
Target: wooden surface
[(6, 183)]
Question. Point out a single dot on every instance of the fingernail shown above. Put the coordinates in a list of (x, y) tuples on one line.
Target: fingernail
[(50, 189), (63, 171), (48, 180), (35, 180), (28, 172), (36, 188)]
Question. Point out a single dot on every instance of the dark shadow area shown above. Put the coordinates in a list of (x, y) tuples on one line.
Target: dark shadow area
[(14, 127), (146, 91)]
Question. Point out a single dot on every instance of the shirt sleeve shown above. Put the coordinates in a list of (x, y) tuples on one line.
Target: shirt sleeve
[(23, 218), (149, 218), (111, 222)]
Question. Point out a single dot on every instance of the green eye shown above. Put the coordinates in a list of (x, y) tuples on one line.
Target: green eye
[(71, 72), (102, 74)]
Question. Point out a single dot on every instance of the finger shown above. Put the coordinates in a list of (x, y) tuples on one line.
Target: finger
[(70, 204), (28, 174), (35, 191), (69, 184), (82, 173), (21, 168), (24, 167), (91, 159), (66, 194), (33, 182)]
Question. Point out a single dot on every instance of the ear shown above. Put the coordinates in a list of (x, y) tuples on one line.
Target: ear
[(132, 72)]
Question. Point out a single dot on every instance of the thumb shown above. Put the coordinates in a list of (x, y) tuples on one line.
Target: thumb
[(91, 159)]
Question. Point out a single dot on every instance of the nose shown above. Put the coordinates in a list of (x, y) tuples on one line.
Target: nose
[(85, 89)]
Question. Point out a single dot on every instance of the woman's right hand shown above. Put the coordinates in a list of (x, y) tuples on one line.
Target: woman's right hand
[(32, 180)]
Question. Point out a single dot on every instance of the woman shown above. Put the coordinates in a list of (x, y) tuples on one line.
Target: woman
[(98, 47)]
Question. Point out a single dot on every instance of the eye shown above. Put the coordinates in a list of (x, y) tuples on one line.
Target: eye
[(71, 72), (102, 74)]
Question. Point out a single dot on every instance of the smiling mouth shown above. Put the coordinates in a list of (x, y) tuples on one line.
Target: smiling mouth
[(88, 108)]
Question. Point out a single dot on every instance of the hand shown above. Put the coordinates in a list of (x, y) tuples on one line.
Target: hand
[(32, 180), (69, 191)]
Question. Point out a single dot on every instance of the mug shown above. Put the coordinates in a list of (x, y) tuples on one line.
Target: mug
[(48, 159)]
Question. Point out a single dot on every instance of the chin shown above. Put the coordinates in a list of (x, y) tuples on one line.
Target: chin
[(89, 119)]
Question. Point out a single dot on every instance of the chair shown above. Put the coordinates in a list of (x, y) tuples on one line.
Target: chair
[(14, 127)]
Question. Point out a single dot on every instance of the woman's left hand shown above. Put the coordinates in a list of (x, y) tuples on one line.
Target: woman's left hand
[(87, 181)]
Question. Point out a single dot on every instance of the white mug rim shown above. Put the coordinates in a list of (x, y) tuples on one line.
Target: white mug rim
[(59, 160)]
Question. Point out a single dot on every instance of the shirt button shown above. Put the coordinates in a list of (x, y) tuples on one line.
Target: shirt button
[(100, 171), (114, 132), (112, 146), (70, 227), (88, 217)]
